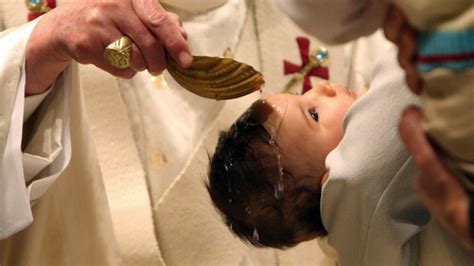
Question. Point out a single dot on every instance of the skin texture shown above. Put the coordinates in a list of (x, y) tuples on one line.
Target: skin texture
[(304, 150), (438, 188), (81, 30), (398, 30)]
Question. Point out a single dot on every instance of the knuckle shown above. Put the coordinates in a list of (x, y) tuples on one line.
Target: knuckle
[(172, 41), (148, 41), (158, 19), (174, 17), (82, 47), (138, 66), (156, 69)]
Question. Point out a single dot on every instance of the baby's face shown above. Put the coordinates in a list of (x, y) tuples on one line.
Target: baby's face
[(309, 127)]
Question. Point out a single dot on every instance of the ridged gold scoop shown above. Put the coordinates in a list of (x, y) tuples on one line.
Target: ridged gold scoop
[(210, 77), (216, 78)]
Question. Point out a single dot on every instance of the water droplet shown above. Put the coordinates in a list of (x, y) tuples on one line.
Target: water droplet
[(247, 209), (255, 236), (277, 192)]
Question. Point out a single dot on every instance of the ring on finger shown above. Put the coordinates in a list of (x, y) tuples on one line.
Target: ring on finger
[(119, 52)]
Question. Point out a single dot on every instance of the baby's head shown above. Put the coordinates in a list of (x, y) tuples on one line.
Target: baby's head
[(266, 173)]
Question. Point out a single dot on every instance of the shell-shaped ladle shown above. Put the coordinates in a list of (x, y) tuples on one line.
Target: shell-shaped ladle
[(216, 78)]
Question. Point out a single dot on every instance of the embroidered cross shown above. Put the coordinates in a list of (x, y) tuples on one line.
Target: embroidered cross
[(312, 65), (37, 8)]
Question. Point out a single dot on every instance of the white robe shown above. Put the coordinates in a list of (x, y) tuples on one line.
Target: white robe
[(369, 205), (78, 221), (76, 202)]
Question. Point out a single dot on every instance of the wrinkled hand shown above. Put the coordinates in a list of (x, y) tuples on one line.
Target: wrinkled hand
[(440, 190), (81, 30), (397, 29)]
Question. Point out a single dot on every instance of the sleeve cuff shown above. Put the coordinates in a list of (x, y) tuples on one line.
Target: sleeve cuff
[(32, 102)]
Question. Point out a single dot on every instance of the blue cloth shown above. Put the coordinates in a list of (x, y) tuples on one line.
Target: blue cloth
[(453, 50)]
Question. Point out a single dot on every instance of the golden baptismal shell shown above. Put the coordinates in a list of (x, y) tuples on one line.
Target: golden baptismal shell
[(217, 78)]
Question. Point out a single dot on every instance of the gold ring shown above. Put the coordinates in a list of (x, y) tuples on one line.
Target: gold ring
[(119, 52)]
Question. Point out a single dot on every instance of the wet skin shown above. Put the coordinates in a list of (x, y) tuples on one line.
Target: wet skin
[(308, 127)]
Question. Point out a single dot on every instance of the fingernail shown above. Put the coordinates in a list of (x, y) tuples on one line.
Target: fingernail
[(185, 59)]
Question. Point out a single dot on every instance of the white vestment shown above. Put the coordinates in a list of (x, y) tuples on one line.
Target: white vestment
[(75, 202), (98, 211)]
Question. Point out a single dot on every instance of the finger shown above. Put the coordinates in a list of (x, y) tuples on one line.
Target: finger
[(184, 33), (91, 51), (414, 138), (414, 82), (148, 45), (407, 48), (157, 20), (434, 176), (100, 62), (175, 18), (178, 21), (137, 61), (393, 24)]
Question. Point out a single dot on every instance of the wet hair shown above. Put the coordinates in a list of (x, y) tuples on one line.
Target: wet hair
[(249, 187)]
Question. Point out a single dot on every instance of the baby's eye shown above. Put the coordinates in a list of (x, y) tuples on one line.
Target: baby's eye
[(314, 114)]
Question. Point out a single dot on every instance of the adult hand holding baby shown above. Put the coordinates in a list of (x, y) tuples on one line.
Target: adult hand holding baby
[(439, 189), (397, 30)]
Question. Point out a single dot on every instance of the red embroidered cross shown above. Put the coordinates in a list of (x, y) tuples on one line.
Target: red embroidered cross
[(290, 68), (48, 3)]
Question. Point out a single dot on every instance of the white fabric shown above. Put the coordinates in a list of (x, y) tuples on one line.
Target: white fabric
[(169, 121), (17, 168), (32, 102), (45, 164), (369, 205), (188, 229), (15, 213), (194, 6), (336, 21)]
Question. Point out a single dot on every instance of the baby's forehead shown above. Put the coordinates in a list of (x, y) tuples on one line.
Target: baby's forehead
[(275, 106)]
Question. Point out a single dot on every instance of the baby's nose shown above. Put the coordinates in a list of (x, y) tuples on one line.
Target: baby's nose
[(325, 88)]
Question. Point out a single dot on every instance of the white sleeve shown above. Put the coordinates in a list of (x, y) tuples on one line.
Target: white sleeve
[(336, 21), (47, 149), (32, 102)]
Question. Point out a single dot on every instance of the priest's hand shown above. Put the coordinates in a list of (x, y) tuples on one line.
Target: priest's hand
[(439, 189), (81, 30)]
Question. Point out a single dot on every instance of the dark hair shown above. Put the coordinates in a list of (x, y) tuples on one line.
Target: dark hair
[(245, 185)]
